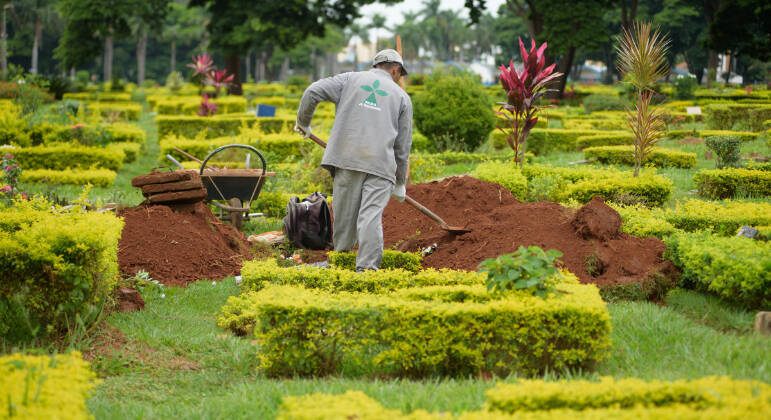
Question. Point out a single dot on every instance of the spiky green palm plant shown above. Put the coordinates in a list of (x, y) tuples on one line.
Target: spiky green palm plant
[(642, 54)]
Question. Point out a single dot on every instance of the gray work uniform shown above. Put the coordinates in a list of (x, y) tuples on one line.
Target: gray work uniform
[(367, 153)]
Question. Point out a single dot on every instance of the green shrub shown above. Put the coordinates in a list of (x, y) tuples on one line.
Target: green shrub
[(432, 331), (391, 259), (658, 156), (272, 203), (604, 140), (46, 387), (130, 151), (732, 182), (506, 174), (96, 177), (63, 156), (736, 268), (595, 102), (529, 269), (56, 269), (454, 112), (113, 97), (616, 124), (424, 167), (116, 110), (188, 105), (727, 149), (685, 86)]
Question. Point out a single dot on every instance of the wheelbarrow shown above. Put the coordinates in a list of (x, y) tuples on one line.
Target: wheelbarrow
[(236, 187)]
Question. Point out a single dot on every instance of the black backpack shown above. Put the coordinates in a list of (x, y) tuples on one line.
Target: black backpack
[(308, 223)]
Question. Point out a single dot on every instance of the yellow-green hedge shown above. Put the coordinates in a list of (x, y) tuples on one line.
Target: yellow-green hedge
[(504, 173), (391, 259), (735, 268), (724, 116), (55, 267), (189, 105), (218, 125), (642, 221), (595, 124), (45, 387), (544, 140), (119, 110), (96, 177), (420, 332), (280, 146), (741, 135), (604, 140), (658, 156), (130, 151), (624, 394), (583, 183), (63, 156), (730, 182), (98, 96)]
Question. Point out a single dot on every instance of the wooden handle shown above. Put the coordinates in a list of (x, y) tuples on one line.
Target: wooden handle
[(426, 211), (189, 156)]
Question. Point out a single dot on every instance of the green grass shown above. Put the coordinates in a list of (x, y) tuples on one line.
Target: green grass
[(710, 311), (650, 342)]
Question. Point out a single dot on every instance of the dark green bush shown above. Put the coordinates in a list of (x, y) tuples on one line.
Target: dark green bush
[(594, 103), (727, 151), (454, 112), (685, 86)]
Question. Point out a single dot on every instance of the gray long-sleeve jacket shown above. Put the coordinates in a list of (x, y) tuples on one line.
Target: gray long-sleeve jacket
[(372, 132)]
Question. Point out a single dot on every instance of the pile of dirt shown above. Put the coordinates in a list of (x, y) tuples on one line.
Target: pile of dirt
[(179, 244), (588, 238)]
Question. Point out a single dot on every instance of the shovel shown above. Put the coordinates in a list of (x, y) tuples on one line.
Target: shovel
[(452, 229)]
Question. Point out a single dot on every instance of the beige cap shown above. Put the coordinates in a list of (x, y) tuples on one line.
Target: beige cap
[(389, 56)]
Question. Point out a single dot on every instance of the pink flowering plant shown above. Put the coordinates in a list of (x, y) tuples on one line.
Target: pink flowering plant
[(218, 79), (207, 108), (523, 89), (11, 171), (202, 64)]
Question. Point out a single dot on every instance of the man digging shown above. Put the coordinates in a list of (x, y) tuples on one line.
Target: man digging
[(368, 150)]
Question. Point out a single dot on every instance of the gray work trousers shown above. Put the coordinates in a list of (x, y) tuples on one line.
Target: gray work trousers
[(358, 202)]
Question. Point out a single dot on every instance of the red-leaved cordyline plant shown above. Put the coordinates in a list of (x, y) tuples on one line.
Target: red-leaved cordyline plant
[(207, 108), (218, 79), (523, 89), (201, 65)]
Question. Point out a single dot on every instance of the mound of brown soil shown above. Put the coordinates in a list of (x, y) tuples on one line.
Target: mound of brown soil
[(588, 237), (179, 244)]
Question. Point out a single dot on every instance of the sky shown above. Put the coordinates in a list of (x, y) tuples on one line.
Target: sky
[(393, 13)]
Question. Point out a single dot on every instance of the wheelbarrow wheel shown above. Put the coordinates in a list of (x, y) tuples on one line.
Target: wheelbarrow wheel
[(236, 217)]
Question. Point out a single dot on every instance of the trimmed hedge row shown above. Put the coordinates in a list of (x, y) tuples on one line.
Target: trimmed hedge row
[(604, 140), (545, 140), (96, 177), (505, 174), (725, 116), (628, 399), (55, 267), (694, 215), (730, 182), (189, 105), (218, 125), (741, 135), (444, 331), (45, 387), (595, 124), (658, 156), (735, 268), (409, 261), (119, 110), (282, 146), (63, 156), (98, 96)]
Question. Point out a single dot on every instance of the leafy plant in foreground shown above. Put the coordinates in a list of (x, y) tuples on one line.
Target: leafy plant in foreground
[(642, 60), (523, 89), (529, 268)]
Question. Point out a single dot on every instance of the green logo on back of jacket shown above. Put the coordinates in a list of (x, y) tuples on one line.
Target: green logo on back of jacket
[(371, 100)]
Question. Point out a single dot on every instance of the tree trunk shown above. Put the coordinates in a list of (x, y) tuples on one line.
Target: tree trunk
[(141, 57), (107, 58), (72, 73), (712, 72), (233, 66), (173, 64), (332, 63), (563, 67), (355, 57), (627, 19), (3, 50), (285, 68), (248, 63), (36, 43)]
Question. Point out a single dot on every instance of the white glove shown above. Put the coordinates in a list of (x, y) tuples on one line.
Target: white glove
[(399, 192), (305, 131)]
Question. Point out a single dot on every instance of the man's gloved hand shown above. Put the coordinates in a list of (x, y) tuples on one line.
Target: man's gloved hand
[(399, 192), (305, 131)]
